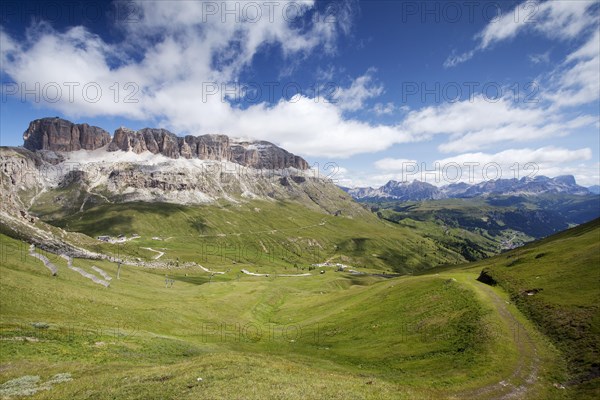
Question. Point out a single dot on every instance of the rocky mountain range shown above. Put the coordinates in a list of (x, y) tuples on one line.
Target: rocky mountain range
[(85, 165), (64, 168), (59, 135), (418, 191)]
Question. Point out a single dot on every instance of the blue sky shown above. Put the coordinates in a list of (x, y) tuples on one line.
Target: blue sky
[(383, 89)]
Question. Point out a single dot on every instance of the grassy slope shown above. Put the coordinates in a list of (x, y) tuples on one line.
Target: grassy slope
[(325, 336), (260, 234), (565, 270)]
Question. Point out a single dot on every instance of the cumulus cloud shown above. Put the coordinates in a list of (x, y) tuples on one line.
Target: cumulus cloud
[(176, 63), (543, 155), (317, 128), (481, 122)]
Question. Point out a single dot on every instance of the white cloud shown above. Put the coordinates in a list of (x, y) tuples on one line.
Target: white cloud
[(325, 74), (540, 58), (543, 155), (361, 89), (181, 50), (384, 109), (514, 131), (577, 80), (476, 125), (560, 19), (317, 128), (393, 164), (476, 167), (481, 122), (517, 163), (455, 59)]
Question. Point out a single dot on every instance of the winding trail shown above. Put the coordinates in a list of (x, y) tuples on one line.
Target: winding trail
[(245, 271), (209, 271), (525, 374), (160, 253)]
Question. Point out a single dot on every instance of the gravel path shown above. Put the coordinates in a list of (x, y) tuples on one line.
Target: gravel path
[(526, 370), (208, 270), (160, 253), (244, 271)]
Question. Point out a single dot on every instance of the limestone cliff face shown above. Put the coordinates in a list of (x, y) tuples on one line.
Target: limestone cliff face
[(252, 154), (57, 134), (60, 135)]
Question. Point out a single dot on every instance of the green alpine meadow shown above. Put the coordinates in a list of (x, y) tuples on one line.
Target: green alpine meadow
[(299, 200)]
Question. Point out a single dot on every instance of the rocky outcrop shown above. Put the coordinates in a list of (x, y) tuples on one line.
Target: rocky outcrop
[(58, 134), (259, 154)]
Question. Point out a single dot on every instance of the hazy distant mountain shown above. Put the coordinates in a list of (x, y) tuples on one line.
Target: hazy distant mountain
[(594, 189), (394, 190), (416, 190)]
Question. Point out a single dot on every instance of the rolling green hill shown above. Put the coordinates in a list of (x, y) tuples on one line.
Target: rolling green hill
[(332, 335), (556, 283)]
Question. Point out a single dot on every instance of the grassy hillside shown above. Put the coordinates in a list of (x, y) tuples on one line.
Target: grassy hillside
[(329, 336), (556, 283), (262, 234)]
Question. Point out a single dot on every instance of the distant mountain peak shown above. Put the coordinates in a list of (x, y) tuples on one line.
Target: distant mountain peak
[(418, 190), (566, 179)]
